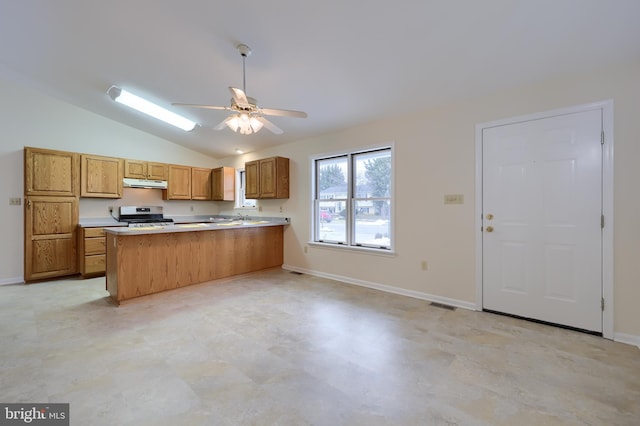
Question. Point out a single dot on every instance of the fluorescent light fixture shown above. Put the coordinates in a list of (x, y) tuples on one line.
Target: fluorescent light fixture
[(132, 101)]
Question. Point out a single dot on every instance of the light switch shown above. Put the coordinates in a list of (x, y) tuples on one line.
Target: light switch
[(454, 199), (15, 201)]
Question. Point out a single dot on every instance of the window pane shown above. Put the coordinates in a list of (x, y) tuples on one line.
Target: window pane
[(331, 224), (332, 178), (373, 174), (372, 223)]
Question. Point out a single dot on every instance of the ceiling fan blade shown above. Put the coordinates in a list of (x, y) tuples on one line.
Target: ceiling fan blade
[(283, 112), (269, 125), (223, 124), (239, 97), (201, 106)]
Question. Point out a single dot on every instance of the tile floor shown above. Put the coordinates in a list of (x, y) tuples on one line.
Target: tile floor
[(277, 348)]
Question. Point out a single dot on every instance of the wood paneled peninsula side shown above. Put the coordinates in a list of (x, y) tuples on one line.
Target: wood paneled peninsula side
[(147, 261)]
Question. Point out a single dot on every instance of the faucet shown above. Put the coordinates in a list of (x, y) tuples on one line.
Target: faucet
[(241, 217)]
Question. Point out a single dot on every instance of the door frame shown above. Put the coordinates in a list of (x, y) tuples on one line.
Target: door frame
[(607, 200)]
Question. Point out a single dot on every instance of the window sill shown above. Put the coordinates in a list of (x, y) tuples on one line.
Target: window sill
[(361, 250)]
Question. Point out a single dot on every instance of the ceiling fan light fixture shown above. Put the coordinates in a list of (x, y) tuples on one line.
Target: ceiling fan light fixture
[(144, 106), (243, 123)]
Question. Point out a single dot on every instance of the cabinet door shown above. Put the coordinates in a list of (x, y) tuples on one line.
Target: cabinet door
[(224, 180), (135, 169), (179, 183), (274, 177), (157, 171), (50, 237), (200, 184), (49, 172), (252, 179), (268, 178), (101, 177)]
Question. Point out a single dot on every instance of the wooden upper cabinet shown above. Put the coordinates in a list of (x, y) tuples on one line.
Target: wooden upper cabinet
[(179, 183), (157, 171), (267, 178), (50, 172), (200, 183), (223, 184), (50, 237), (135, 169), (101, 177), (252, 179), (145, 170)]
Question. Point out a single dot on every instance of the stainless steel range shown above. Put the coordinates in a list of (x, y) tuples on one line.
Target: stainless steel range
[(144, 217)]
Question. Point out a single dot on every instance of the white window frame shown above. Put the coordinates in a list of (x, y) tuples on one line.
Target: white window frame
[(349, 245), (243, 203)]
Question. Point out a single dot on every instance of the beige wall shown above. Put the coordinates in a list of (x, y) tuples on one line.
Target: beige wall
[(434, 155)]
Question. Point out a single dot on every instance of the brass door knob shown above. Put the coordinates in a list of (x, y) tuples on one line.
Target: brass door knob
[(489, 216), (489, 228)]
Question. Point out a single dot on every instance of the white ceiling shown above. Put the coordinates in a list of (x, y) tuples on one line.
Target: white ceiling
[(343, 62)]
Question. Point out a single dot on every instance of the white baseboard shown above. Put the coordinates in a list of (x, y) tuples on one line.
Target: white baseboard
[(386, 288), (629, 339), (14, 280)]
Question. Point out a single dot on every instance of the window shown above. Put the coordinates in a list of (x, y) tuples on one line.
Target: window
[(241, 202), (353, 199)]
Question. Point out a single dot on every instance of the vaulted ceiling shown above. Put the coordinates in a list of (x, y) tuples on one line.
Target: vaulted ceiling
[(343, 62)]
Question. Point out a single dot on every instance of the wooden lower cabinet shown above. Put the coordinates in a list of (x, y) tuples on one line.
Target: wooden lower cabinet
[(91, 252), (50, 237), (142, 264)]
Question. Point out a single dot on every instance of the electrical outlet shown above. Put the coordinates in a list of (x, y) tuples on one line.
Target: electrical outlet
[(423, 265), (191, 208), (281, 209), (305, 249), (15, 201), (259, 208)]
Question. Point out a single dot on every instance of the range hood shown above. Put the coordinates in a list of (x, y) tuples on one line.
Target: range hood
[(144, 183)]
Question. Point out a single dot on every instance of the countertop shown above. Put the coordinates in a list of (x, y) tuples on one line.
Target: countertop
[(210, 225), (98, 222)]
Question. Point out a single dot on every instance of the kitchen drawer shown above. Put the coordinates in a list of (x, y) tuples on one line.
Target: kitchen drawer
[(94, 264), (94, 245), (93, 232)]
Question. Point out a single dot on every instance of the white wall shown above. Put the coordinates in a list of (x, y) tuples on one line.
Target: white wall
[(435, 155), (28, 118)]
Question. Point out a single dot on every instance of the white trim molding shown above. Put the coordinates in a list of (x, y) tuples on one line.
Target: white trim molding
[(386, 288), (14, 280), (606, 107), (628, 339)]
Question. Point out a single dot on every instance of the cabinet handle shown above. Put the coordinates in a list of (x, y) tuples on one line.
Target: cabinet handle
[(29, 203)]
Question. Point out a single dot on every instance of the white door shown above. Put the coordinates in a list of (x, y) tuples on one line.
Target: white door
[(542, 209)]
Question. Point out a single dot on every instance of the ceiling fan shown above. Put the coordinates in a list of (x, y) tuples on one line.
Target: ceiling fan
[(247, 117)]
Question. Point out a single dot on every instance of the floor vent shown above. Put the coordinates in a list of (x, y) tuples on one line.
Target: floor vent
[(443, 306), (296, 272)]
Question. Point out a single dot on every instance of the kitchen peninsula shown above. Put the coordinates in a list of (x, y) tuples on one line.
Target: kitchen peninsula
[(143, 261)]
